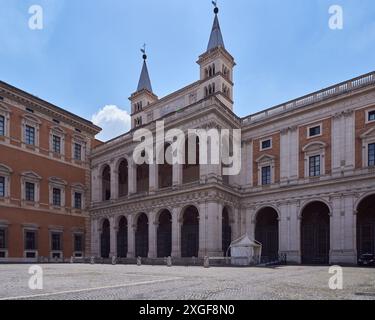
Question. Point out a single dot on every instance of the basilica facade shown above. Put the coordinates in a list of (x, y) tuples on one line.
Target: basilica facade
[(306, 187)]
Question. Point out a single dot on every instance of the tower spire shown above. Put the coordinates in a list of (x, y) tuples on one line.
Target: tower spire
[(216, 38), (144, 80)]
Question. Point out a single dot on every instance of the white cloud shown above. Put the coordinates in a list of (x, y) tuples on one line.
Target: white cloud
[(113, 120)]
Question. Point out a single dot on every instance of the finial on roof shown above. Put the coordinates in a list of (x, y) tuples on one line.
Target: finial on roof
[(216, 10), (216, 38), (144, 80)]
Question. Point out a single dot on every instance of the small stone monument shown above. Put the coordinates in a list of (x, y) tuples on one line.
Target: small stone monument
[(114, 260), (139, 261), (194, 260), (169, 262), (71, 259), (92, 260), (206, 263)]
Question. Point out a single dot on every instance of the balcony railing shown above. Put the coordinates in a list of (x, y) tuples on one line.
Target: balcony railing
[(341, 88)]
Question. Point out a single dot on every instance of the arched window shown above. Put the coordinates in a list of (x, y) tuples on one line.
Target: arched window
[(123, 178), (106, 183), (191, 169)]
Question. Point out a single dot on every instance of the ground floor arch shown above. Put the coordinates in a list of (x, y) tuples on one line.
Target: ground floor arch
[(366, 226), (105, 239), (164, 234), (315, 233), (267, 233), (190, 233), (141, 236)]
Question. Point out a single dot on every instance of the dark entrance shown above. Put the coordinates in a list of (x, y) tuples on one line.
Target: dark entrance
[(366, 226), (122, 238), (190, 233), (315, 234), (165, 235), (106, 183), (141, 237), (226, 232), (165, 171), (267, 233), (105, 240)]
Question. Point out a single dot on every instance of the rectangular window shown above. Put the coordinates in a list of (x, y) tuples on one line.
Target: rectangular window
[(2, 126), (30, 191), (30, 135), (371, 154), (56, 241), (78, 243), (77, 151), (266, 144), (314, 166), (56, 144), (266, 176), (77, 200), (2, 187), (3, 239), (371, 116), (56, 197), (315, 131), (30, 240)]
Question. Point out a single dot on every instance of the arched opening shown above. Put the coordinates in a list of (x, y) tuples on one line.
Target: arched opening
[(165, 171), (106, 183), (226, 231), (191, 169), (267, 233), (141, 237), (366, 226), (122, 238), (123, 178), (315, 233), (164, 238), (190, 233), (143, 176), (105, 240)]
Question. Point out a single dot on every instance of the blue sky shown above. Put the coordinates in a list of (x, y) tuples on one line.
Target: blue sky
[(87, 58)]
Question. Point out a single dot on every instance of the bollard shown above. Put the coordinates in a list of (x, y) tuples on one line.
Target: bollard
[(114, 260), (71, 259), (139, 261), (206, 262), (194, 260), (92, 260), (169, 262)]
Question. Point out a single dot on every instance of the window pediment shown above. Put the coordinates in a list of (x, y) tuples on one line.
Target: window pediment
[(30, 119), (314, 146), (31, 175), (265, 158), (56, 180), (5, 169), (369, 134)]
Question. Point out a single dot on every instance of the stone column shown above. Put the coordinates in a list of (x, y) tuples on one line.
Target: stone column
[(342, 227), (154, 178), (113, 237), (235, 223), (177, 175), (176, 232), (152, 225), (202, 229), (114, 181), (210, 229), (250, 222), (284, 228), (95, 238), (131, 237), (294, 254), (96, 185)]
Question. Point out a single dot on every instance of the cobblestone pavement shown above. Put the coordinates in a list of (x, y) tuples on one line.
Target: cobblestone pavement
[(92, 282)]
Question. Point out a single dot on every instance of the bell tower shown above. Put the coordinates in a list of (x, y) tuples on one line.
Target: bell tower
[(216, 66), (143, 97)]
